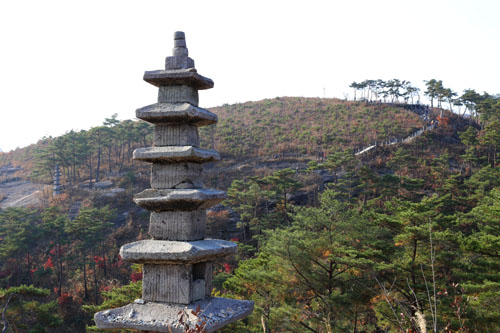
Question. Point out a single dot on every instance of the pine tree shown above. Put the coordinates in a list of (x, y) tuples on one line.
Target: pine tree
[(88, 230)]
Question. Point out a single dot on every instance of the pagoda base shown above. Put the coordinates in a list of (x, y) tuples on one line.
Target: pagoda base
[(164, 317)]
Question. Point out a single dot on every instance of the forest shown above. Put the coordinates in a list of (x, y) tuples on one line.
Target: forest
[(405, 238)]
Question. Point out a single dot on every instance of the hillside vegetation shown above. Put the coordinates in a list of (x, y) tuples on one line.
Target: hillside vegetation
[(404, 238), (304, 125)]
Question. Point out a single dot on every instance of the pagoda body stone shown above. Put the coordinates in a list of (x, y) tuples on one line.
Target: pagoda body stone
[(178, 260)]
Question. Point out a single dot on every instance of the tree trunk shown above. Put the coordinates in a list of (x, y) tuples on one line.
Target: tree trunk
[(109, 159), (129, 152), (285, 209), (489, 155), (4, 319), (104, 262), (90, 171), (60, 269), (86, 291), (121, 158), (263, 323), (494, 156), (96, 286), (29, 268), (355, 321), (98, 164)]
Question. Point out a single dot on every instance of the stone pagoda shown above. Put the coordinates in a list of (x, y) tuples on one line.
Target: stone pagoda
[(56, 189), (177, 261)]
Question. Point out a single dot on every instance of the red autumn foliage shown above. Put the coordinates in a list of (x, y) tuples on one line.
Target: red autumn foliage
[(48, 263), (99, 261), (443, 121), (118, 263), (105, 288), (223, 214), (65, 298), (54, 249), (135, 276)]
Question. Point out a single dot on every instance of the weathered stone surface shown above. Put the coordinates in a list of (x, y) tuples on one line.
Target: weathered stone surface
[(179, 35), (103, 184), (174, 154), (176, 135), (180, 113), (162, 317), (179, 175), (180, 52), (178, 94), (167, 283), (198, 290), (204, 271), (180, 42), (178, 225), (180, 284), (178, 63), (178, 199), (187, 77), (163, 252)]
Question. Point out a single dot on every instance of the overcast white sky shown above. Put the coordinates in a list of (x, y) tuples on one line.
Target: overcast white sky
[(69, 64)]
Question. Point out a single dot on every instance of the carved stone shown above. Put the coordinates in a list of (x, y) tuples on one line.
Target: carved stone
[(167, 283), (178, 94), (175, 154), (176, 113), (178, 261), (179, 176), (176, 135), (163, 317), (178, 225)]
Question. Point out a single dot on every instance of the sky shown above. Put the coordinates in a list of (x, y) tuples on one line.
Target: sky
[(69, 64)]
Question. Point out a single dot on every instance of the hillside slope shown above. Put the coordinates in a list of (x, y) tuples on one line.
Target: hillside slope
[(304, 125), (268, 130)]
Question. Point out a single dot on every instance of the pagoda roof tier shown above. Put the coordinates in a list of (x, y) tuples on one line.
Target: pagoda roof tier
[(172, 77), (178, 199), (163, 317), (175, 154), (176, 113), (174, 252)]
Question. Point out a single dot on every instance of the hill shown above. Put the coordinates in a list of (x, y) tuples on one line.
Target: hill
[(265, 129), (305, 125), (252, 137)]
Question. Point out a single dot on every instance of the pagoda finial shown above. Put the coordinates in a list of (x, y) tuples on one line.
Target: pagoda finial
[(179, 35), (179, 58), (180, 49)]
